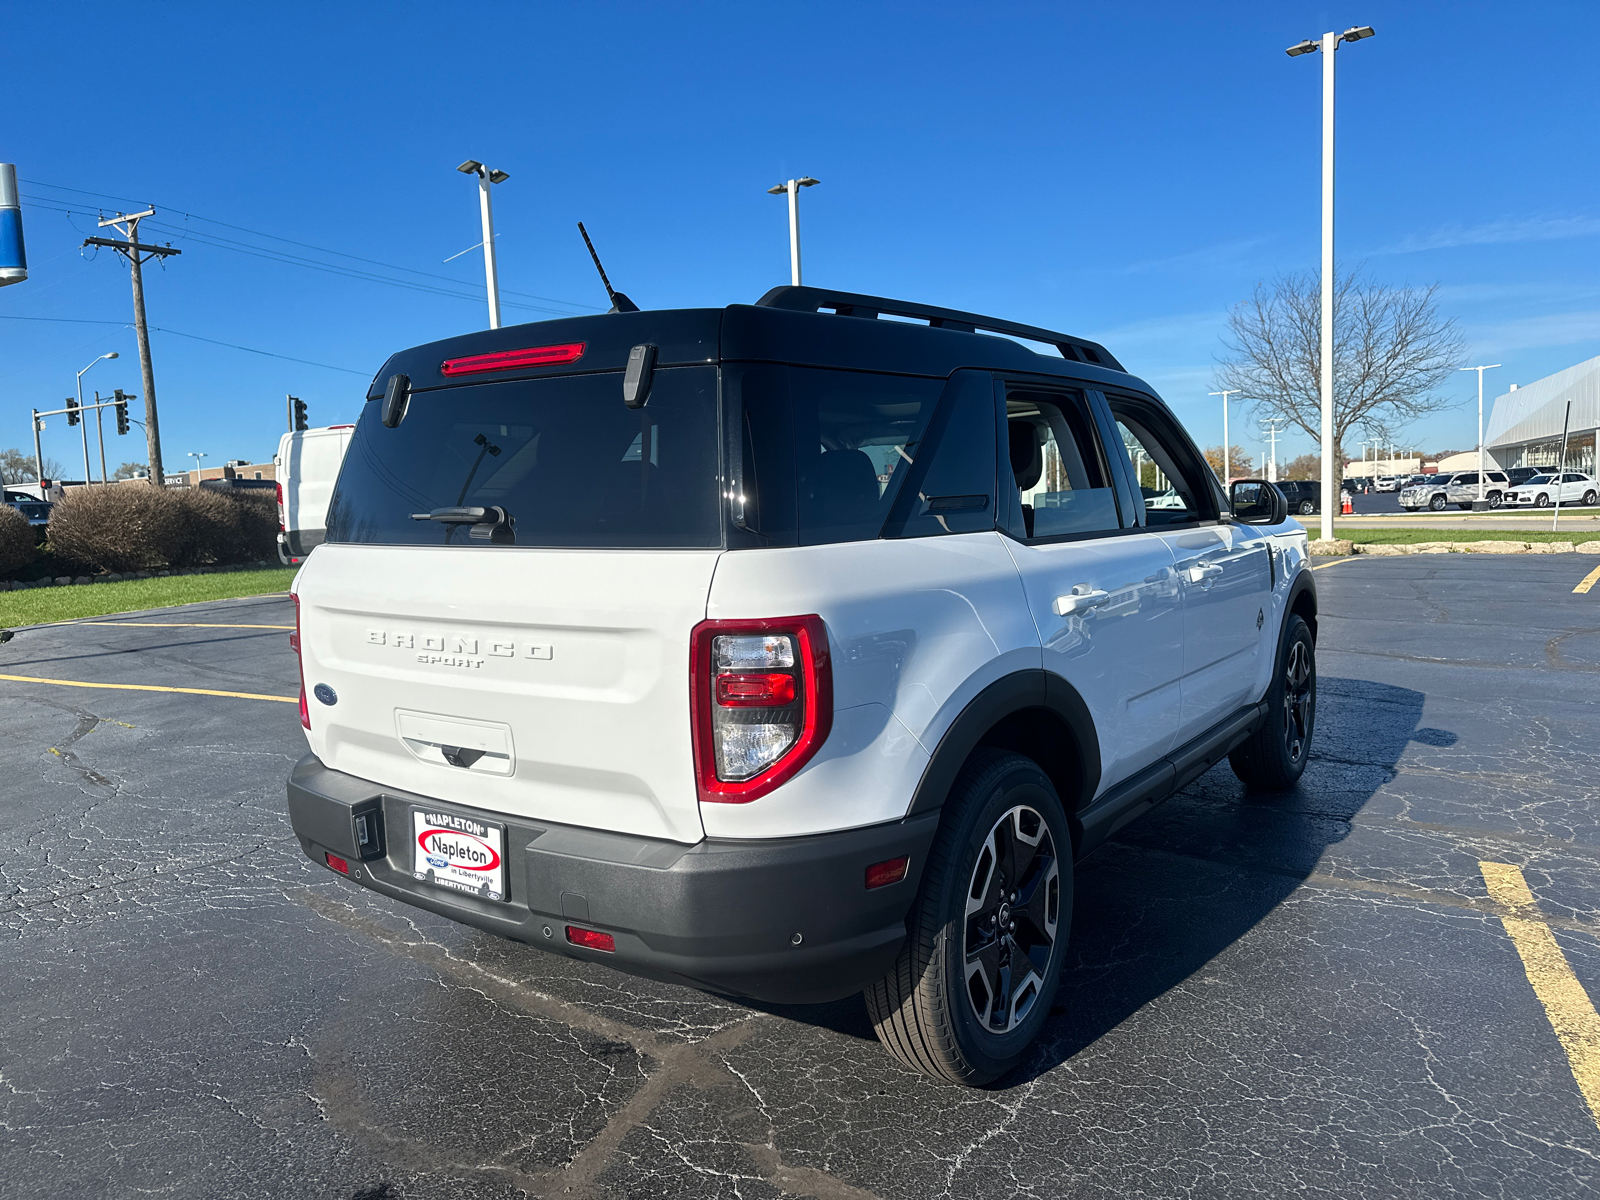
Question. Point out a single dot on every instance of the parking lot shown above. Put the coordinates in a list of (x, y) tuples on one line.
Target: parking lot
[(1312, 994)]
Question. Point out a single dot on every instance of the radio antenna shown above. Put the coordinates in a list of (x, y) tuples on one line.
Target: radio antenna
[(619, 302)]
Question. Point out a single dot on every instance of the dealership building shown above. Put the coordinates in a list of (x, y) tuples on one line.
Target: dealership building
[(1524, 427)]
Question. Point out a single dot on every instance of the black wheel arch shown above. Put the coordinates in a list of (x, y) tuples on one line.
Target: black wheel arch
[(1303, 601), (1036, 713)]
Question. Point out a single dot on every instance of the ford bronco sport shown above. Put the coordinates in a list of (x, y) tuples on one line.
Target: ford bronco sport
[(785, 650)]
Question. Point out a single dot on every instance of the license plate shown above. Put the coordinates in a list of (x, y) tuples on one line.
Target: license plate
[(458, 852)]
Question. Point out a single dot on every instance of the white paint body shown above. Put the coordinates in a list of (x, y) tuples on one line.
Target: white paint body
[(307, 466)]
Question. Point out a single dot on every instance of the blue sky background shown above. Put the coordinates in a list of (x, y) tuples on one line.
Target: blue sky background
[(1123, 172)]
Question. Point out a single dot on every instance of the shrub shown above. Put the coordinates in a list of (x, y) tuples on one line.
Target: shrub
[(211, 530), (123, 527), (16, 540), (258, 526)]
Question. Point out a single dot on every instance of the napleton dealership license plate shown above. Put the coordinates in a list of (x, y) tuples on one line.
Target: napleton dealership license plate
[(458, 852)]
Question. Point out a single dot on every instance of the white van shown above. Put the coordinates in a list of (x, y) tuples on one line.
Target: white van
[(307, 466)]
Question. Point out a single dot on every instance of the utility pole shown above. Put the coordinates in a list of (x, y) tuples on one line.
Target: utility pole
[(1271, 435), (1480, 371), (128, 225), (1225, 393), (38, 454)]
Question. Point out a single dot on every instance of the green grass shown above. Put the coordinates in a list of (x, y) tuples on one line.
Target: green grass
[(1408, 537), (39, 605)]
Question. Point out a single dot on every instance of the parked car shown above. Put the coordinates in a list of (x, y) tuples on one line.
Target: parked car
[(36, 510), (1520, 475), (1540, 491), (1303, 495), (1460, 489), (306, 466), (784, 652)]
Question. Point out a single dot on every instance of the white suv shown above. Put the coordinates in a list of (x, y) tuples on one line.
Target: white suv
[(783, 651)]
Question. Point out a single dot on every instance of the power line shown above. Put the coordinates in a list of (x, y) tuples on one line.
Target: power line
[(303, 245), (195, 336)]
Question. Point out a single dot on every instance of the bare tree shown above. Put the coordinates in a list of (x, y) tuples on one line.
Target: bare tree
[(17, 467), (1391, 351)]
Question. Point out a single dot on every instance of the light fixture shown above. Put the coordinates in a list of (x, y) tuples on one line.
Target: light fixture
[(1305, 47), (470, 167), (113, 354), (1356, 32), (498, 176), (807, 181)]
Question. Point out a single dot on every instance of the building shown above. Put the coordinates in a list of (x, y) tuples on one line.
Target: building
[(237, 469), (1524, 427)]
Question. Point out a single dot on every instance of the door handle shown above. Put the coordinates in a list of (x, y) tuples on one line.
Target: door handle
[(1203, 573), (1077, 601)]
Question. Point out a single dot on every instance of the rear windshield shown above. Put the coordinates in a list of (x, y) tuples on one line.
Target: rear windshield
[(569, 463)]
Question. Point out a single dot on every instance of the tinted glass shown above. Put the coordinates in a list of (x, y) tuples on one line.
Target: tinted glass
[(1469, 477), (956, 493), (568, 461), (1063, 481), (1166, 483), (822, 452)]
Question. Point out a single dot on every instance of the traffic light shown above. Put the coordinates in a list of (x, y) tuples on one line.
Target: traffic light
[(72, 411), (299, 414), (122, 411)]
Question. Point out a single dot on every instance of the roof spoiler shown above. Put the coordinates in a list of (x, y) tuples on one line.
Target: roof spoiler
[(851, 304)]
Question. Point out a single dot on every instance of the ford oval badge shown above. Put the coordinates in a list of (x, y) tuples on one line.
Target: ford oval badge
[(325, 693)]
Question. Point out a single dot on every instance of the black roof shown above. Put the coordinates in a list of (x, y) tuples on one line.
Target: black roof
[(800, 325)]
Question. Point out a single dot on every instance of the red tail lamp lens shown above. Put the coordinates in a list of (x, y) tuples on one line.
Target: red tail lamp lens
[(747, 690), (506, 360), (884, 873), (334, 861), (591, 939)]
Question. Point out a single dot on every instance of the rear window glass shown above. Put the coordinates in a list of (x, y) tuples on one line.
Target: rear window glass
[(822, 452), (564, 457)]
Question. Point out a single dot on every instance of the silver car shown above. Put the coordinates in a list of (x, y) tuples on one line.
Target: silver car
[(1460, 489)]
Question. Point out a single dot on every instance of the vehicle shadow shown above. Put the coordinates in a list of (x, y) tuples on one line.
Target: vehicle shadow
[(1176, 888)]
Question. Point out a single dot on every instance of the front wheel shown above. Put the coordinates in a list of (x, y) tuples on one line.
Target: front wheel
[(1541, 501), (1273, 758), (987, 933), (1437, 504)]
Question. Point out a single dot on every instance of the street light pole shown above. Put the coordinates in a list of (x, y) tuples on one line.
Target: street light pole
[(99, 430), (200, 465), (1327, 44), (1225, 393), (487, 176), (792, 190), (1480, 371)]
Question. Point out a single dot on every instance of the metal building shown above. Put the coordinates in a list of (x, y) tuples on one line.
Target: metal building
[(1524, 428)]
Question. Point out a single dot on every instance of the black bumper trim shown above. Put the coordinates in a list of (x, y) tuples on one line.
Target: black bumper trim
[(721, 915)]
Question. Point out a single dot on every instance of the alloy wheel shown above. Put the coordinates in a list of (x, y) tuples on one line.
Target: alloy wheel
[(1297, 701), (1012, 910)]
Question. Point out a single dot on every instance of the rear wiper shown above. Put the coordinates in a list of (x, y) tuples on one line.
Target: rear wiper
[(489, 524)]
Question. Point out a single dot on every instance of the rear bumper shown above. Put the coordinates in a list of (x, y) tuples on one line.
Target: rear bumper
[(719, 915)]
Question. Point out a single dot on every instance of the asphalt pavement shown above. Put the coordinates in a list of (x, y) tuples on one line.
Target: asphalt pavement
[(1320, 994)]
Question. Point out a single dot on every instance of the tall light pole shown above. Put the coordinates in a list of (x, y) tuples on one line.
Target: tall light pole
[(1271, 434), (99, 428), (1328, 43), (486, 176), (792, 189), (199, 465), (1480, 371), (1225, 393)]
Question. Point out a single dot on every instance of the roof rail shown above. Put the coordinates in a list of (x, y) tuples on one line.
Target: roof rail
[(851, 304)]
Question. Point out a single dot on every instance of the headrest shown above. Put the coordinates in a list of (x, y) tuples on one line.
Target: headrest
[(1027, 457)]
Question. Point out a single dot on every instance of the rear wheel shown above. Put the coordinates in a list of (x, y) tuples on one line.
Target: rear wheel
[(1589, 499), (1274, 757), (1307, 508), (1494, 499), (987, 933)]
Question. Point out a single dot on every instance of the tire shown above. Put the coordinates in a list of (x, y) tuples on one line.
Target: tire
[(1541, 501), (1437, 504), (1495, 500), (1307, 508), (1274, 757), (1589, 499), (926, 1009)]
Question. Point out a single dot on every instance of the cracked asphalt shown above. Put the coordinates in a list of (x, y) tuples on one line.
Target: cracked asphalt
[(1309, 994)]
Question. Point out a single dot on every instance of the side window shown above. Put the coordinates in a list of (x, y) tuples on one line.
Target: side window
[(1062, 480), (955, 493), (1170, 484)]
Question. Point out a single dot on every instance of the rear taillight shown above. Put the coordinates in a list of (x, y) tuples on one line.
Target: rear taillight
[(591, 939), (299, 663), (761, 696), (506, 360), (278, 487)]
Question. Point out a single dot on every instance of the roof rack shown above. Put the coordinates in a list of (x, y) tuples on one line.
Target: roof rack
[(851, 304)]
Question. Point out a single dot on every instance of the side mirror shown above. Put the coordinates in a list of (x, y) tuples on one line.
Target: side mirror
[(1257, 502)]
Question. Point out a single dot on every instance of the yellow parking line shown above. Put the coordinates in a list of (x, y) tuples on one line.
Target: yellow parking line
[(1589, 581), (172, 625), (1568, 1006), (1334, 563), (150, 687)]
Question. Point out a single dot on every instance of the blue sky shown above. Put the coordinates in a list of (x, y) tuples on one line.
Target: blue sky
[(1123, 172)]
